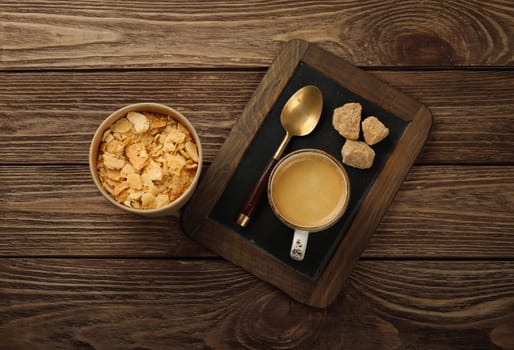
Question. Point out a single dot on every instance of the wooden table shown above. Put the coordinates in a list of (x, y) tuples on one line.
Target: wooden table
[(77, 273)]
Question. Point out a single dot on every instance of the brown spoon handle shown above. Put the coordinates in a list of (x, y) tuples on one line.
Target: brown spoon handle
[(254, 198)]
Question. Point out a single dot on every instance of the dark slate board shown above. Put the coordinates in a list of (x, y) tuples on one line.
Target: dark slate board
[(265, 230)]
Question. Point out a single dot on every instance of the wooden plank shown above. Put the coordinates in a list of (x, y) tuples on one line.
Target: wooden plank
[(51, 117), (440, 211), (473, 113), (450, 211), (193, 304), (59, 211), (100, 34)]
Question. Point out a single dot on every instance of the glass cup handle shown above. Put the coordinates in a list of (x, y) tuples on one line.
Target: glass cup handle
[(299, 244)]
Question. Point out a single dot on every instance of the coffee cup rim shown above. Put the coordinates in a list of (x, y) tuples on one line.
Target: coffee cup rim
[(333, 220)]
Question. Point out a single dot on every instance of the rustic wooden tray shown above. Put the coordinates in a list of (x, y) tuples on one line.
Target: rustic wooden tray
[(263, 247)]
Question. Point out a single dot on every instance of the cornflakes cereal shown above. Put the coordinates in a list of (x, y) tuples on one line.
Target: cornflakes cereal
[(121, 125), (139, 122), (112, 162), (147, 160)]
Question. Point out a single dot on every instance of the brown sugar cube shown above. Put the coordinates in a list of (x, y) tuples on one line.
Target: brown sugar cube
[(357, 154), (346, 120), (374, 130)]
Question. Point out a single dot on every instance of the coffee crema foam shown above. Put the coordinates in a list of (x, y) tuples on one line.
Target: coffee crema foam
[(309, 191)]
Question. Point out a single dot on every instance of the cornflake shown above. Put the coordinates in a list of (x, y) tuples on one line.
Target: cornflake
[(147, 160)]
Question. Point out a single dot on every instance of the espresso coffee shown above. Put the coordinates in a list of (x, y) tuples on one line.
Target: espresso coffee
[(309, 190)]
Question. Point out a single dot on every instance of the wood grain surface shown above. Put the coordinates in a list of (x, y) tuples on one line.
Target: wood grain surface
[(51, 117), (190, 304), (439, 212), (75, 273), (103, 34)]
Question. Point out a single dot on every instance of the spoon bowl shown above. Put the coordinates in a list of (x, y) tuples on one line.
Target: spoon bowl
[(302, 111)]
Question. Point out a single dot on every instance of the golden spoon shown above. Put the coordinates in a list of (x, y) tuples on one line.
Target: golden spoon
[(299, 117)]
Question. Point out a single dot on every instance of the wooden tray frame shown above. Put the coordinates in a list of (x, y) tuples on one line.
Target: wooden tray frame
[(235, 248)]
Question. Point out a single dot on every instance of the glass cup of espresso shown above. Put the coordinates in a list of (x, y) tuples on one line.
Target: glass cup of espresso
[(309, 191)]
